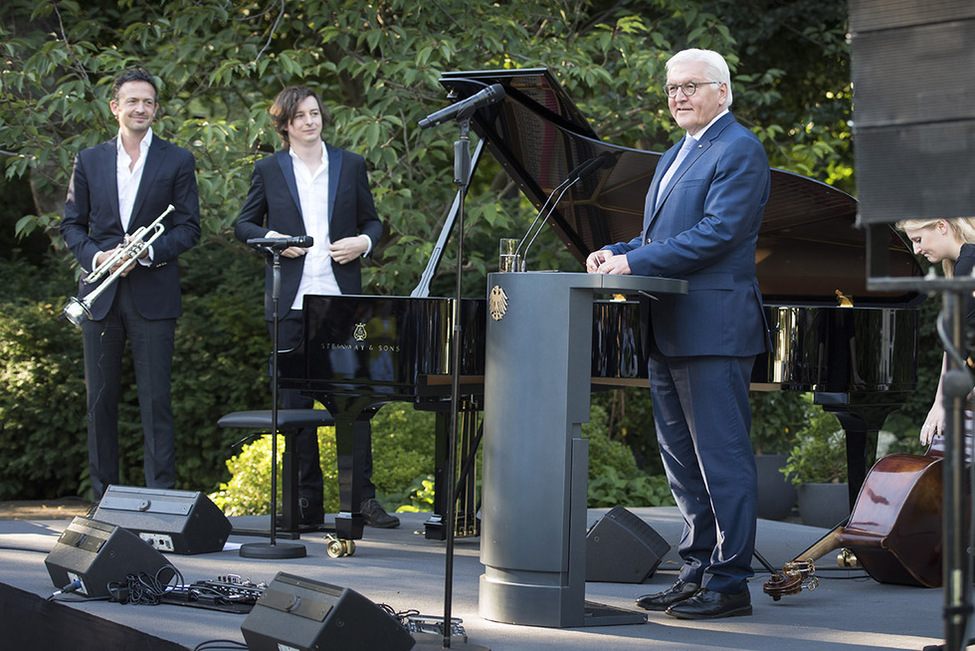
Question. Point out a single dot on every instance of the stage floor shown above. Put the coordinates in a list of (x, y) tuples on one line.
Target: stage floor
[(398, 567)]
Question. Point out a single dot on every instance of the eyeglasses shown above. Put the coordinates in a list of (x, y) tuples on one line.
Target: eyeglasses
[(688, 88)]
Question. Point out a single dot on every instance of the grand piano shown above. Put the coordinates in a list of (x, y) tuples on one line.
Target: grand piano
[(854, 349)]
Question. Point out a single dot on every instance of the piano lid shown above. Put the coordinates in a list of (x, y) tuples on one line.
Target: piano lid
[(808, 246)]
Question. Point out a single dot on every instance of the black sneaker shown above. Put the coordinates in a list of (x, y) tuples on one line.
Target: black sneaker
[(376, 516)]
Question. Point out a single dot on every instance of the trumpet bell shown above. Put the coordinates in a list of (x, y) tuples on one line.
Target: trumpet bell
[(76, 311)]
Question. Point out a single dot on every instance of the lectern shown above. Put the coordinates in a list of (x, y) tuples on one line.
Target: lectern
[(537, 379)]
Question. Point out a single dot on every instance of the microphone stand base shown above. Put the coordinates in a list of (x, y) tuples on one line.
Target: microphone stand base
[(272, 550)]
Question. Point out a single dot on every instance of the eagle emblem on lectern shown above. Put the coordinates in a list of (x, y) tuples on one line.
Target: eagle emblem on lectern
[(498, 303)]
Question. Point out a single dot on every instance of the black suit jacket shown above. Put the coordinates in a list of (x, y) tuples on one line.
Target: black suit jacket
[(272, 205), (92, 223)]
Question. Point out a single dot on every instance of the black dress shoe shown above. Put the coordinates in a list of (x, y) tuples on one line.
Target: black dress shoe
[(708, 604), (375, 515), (679, 591)]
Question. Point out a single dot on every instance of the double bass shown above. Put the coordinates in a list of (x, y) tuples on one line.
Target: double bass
[(894, 530)]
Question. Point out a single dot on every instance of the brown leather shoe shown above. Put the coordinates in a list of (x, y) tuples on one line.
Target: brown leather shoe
[(708, 604), (679, 591)]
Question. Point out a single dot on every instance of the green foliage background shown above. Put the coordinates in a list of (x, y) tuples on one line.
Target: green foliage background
[(376, 64)]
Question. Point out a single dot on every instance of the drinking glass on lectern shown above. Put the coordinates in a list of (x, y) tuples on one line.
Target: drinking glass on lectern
[(509, 260)]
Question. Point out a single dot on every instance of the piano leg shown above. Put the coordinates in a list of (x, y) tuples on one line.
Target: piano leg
[(466, 523), (351, 432), (861, 428)]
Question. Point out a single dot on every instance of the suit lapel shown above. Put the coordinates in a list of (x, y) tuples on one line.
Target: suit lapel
[(154, 159), (334, 170), (108, 152), (703, 144), (685, 164), (651, 200), (288, 170)]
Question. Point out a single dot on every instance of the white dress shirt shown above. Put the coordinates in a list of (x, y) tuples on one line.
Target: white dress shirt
[(317, 276)]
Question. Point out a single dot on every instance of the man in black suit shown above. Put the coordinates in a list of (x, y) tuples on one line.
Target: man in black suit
[(312, 188), (117, 187)]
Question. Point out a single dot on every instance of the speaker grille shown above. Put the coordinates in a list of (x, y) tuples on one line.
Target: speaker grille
[(622, 548), (914, 125)]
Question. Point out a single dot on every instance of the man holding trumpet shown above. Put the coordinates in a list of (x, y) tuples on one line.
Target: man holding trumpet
[(119, 226)]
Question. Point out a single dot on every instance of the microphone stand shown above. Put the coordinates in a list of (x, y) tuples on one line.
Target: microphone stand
[(564, 187), (462, 174), (956, 386), (272, 549)]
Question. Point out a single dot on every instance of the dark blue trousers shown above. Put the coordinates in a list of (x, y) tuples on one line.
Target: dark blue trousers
[(702, 416)]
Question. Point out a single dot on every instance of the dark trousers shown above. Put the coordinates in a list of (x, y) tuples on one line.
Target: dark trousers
[(702, 416), (311, 484), (152, 344)]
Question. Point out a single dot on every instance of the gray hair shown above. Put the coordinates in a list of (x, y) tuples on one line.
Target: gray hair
[(717, 67)]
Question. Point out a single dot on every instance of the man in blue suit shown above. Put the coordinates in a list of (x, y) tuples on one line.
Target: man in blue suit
[(701, 221), (116, 188), (312, 188)]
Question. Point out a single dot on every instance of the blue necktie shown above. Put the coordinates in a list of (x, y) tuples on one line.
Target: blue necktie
[(685, 149)]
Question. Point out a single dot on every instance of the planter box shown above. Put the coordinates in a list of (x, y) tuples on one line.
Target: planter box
[(776, 494), (824, 505)]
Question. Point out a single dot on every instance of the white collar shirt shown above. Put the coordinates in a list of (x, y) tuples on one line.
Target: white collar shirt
[(317, 276), (129, 179)]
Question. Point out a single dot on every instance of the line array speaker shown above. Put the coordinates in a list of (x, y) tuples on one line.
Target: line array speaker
[(304, 615), (914, 133), (181, 522), (622, 548), (96, 554)]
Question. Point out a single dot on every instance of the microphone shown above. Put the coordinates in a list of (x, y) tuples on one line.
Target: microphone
[(581, 171), (605, 159), (466, 107), (282, 243)]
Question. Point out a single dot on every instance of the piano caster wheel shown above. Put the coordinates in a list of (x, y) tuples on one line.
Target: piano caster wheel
[(338, 547)]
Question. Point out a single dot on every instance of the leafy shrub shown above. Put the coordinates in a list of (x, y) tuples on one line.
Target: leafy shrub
[(43, 446), (403, 448), (402, 444), (777, 417), (614, 478), (219, 366), (820, 454)]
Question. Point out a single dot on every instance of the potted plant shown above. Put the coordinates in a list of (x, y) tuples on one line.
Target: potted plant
[(776, 418), (817, 467)]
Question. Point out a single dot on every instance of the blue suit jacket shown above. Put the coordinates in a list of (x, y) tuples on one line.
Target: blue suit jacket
[(92, 223), (272, 204), (705, 231)]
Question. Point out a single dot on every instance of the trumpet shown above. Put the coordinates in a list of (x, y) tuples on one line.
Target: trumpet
[(78, 310)]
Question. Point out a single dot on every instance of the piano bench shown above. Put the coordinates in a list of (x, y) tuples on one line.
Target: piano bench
[(289, 422)]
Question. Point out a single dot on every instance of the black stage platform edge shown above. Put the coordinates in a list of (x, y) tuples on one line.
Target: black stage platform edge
[(28, 621)]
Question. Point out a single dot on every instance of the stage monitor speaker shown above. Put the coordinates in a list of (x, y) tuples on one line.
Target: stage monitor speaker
[(181, 522), (303, 615), (96, 554), (914, 119), (622, 548)]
